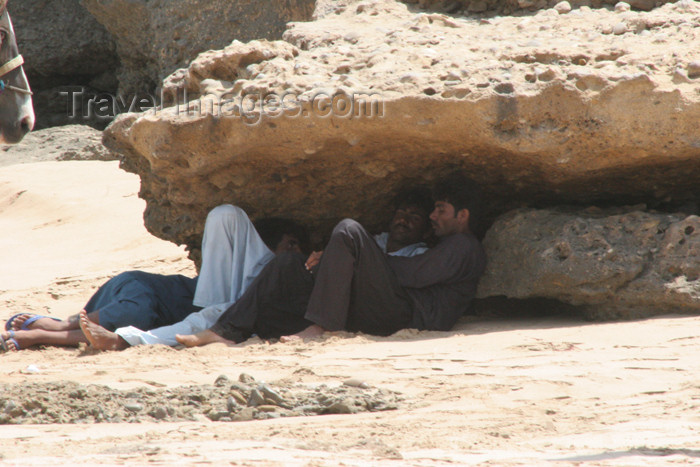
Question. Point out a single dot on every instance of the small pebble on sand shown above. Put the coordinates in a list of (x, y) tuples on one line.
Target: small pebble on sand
[(619, 28), (694, 70), (621, 7)]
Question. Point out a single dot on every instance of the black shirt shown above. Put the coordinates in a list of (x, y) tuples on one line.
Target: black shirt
[(442, 281)]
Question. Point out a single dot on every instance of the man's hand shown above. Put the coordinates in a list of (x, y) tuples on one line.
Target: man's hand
[(313, 260)]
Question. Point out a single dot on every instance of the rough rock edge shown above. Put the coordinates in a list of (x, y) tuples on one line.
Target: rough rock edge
[(536, 151)]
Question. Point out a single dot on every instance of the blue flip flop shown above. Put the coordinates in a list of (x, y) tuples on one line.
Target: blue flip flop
[(8, 323), (3, 342), (25, 325)]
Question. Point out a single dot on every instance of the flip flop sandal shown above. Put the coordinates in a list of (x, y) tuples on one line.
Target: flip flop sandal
[(25, 325), (8, 323), (3, 342)]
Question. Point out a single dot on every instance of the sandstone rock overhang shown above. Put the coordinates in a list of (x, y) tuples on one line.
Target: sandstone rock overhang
[(585, 106)]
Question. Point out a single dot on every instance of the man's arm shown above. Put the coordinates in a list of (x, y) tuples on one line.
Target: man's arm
[(442, 281), (454, 256)]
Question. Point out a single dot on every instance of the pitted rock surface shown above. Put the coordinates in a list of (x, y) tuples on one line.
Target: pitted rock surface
[(550, 107), (614, 263)]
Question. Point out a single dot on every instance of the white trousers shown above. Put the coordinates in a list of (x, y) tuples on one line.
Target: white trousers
[(233, 254)]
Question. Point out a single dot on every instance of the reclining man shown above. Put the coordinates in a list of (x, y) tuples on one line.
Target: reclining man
[(279, 293), (234, 251), (358, 290)]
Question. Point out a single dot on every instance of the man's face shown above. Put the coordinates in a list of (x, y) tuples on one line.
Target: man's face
[(288, 243), (444, 220), (409, 225)]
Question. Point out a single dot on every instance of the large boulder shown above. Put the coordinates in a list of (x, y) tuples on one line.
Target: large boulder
[(154, 38), (585, 106), (613, 263)]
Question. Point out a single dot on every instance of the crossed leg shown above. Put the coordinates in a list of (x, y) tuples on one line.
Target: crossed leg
[(355, 288)]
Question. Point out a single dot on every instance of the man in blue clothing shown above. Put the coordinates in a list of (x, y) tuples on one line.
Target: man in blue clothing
[(234, 251)]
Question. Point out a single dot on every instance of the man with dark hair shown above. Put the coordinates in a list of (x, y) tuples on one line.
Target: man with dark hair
[(463, 194), (356, 289), (280, 234), (275, 302), (234, 251)]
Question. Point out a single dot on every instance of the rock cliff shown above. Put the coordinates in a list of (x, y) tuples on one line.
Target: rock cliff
[(558, 106), (64, 48), (154, 38)]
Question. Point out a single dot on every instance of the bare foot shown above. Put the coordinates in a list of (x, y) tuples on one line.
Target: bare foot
[(201, 338), (309, 333), (99, 337)]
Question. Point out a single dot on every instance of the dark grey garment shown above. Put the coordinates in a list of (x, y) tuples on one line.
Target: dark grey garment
[(355, 288), (273, 305), (442, 281), (358, 288)]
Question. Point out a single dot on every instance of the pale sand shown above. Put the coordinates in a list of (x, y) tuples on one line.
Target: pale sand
[(514, 392)]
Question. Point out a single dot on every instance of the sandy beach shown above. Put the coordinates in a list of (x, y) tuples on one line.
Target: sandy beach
[(529, 391)]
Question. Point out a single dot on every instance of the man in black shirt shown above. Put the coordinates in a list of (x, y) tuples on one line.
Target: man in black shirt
[(357, 289)]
